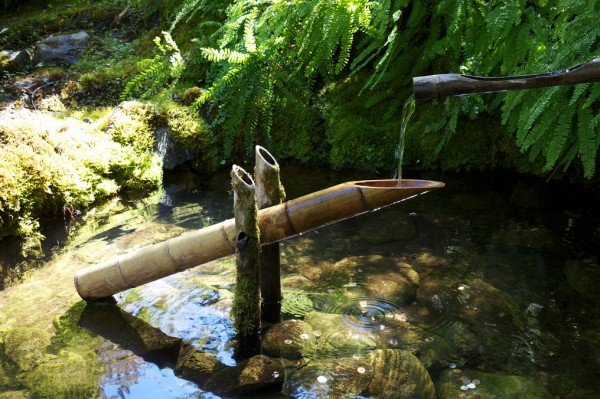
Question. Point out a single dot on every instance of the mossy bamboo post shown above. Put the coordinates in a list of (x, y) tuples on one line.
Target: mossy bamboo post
[(269, 192), (245, 309)]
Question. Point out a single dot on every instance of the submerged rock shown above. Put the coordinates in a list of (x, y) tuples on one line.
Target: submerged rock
[(488, 386), (60, 48), (25, 346), (14, 395), (383, 277), (343, 334), (14, 61), (258, 372), (390, 373), (584, 277), (289, 339)]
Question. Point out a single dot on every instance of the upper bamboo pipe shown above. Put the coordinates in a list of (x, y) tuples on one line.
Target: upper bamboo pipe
[(275, 223), (453, 84)]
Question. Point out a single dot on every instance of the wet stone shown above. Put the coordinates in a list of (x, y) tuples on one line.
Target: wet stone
[(286, 339), (25, 346), (490, 386), (258, 372), (196, 366), (59, 48)]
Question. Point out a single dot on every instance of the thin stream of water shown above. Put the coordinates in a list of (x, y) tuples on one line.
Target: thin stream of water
[(407, 110)]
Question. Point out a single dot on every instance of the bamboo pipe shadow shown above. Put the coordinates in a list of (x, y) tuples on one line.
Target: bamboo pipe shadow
[(131, 333)]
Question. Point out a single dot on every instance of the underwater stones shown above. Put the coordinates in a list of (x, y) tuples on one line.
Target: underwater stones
[(196, 366), (257, 372), (388, 373), (24, 346), (58, 48), (337, 333), (14, 61), (584, 277), (380, 276), (385, 227), (488, 386), (296, 281), (288, 339)]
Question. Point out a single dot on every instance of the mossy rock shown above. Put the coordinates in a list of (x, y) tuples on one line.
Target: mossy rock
[(289, 339), (258, 372), (25, 346), (453, 341), (489, 386), (66, 375), (15, 395), (196, 366), (383, 374), (377, 229)]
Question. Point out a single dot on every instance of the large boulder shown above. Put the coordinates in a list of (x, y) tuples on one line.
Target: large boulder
[(389, 373), (60, 48), (14, 61), (456, 384), (196, 366)]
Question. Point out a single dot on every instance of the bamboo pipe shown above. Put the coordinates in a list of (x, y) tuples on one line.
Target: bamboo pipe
[(275, 223), (453, 84), (269, 192)]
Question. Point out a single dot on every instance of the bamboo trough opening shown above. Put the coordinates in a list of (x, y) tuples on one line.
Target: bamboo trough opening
[(275, 223)]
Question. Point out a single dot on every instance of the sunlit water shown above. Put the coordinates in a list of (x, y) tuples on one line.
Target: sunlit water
[(407, 110), (477, 276)]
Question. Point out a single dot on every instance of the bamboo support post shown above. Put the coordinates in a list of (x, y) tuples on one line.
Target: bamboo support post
[(269, 192), (275, 223), (245, 309)]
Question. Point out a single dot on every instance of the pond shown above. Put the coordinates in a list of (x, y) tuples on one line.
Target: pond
[(484, 289)]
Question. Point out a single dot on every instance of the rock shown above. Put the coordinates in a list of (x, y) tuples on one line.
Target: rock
[(387, 226), (196, 366), (60, 48), (296, 281), (27, 84), (14, 61), (170, 151), (584, 277), (342, 334), (389, 373), (490, 386), (25, 346), (66, 375), (383, 277), (258, 372), (450, 342), (14, 395), (289, 339)]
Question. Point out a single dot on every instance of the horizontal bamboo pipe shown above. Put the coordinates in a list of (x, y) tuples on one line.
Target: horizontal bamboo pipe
[(276, 223), (453, 84)]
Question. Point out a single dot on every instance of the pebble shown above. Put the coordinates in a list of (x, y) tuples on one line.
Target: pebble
[(457, 371), (317, 333), (476, 382), (463, 387), (361, 370), (287, 342), (471, 386), (275, 374), (304, 336), (322, 379), (452, 365), (461, 287)]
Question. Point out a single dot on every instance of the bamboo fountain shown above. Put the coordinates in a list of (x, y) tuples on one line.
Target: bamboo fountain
[(275, 223)]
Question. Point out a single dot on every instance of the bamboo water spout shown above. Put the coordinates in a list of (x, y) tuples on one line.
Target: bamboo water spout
[(275, 223)]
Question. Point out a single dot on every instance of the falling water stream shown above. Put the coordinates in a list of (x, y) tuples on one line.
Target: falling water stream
[(407, 110), (491, 283)]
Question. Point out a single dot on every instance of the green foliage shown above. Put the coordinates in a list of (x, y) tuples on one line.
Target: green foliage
[(272, 52)]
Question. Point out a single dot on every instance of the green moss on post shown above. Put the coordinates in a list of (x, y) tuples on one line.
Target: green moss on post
[(269, 191), (246, 302)]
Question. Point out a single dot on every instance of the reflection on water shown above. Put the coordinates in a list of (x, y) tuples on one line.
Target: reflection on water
[(487, 289)]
